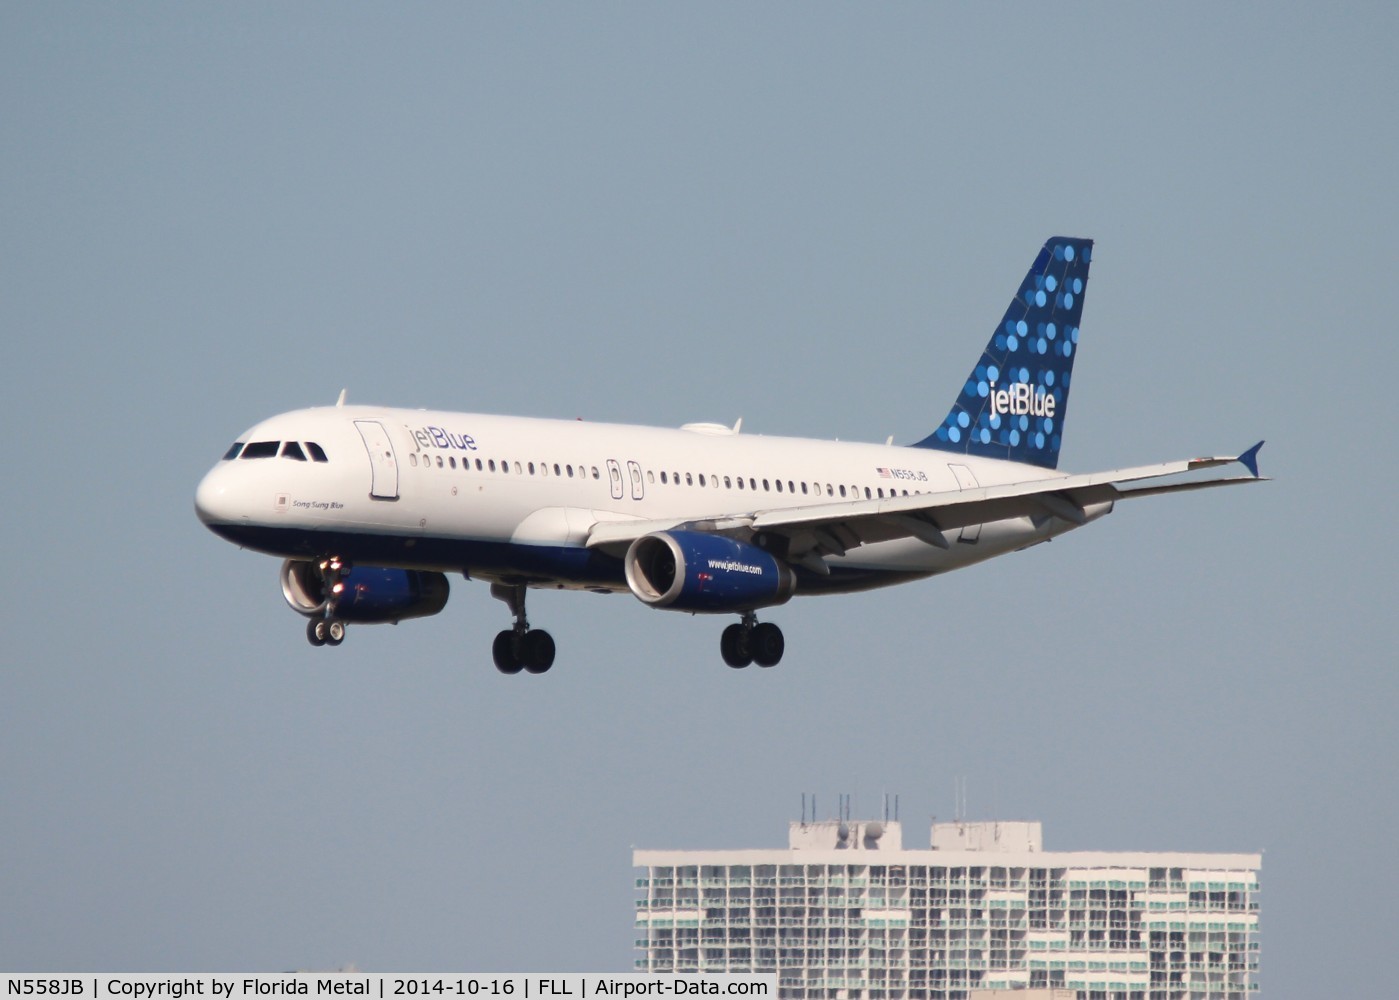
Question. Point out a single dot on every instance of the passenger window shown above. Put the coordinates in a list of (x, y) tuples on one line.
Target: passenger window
[(478, 465), (518, 470), (413, 460), (570, 471), (491, 465), (650, 477), (766, 488), (728, 484), (664, 481), (881, 493), (452, 461), (752, 483), (842, 490), (531, 468), (439, 461), (803, 487), (233, 451), (556, 469), (689, 480), (867, 492), (829, 491), (595, 473), (740, 482), (779, 486), (701, 478), (261, 449)]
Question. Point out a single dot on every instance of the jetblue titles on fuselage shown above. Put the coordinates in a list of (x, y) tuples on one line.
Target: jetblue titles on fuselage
[(438, 437)]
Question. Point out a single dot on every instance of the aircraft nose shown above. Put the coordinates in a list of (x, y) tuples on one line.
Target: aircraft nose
[(211, 499)]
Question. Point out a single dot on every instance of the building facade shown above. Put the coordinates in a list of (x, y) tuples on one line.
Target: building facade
[(845, 913)]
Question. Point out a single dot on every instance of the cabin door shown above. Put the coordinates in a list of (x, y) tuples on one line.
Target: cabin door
[(382, 463)]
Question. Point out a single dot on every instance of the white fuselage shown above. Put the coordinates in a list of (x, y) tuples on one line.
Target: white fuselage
[(517, 498)]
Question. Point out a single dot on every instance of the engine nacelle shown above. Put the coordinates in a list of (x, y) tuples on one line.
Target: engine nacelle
[(693, 571), (369, 594)]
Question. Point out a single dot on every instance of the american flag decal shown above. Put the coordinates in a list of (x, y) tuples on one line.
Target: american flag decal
[(883, 473)]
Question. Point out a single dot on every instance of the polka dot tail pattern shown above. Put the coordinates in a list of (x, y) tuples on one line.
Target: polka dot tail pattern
[(1012, 405)]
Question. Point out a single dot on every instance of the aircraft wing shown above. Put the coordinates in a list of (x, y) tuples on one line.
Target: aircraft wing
[(823, 529)]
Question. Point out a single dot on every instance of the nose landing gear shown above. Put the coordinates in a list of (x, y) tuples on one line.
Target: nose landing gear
[(325, 632), (328, 630), (521, 647), (751, 641)]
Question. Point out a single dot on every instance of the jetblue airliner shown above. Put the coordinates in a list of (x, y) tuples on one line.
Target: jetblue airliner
[(371, 507)]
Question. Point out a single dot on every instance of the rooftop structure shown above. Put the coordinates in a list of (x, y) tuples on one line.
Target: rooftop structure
[(846, 913)]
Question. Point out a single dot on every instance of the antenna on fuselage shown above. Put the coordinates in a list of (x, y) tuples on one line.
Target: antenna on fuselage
[(738, 425), (341, 401)]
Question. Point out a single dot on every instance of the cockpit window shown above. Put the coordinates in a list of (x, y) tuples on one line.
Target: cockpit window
[(233, 451), (293, 450), (261, 449), (317, 454)]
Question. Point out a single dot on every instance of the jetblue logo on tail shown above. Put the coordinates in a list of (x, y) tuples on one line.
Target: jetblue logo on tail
[(1012, 404), (1021, 399)]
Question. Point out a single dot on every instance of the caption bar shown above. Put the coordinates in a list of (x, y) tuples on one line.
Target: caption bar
[(435, 986)]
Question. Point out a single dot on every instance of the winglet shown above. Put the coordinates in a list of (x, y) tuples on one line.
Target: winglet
[(1250, 459)]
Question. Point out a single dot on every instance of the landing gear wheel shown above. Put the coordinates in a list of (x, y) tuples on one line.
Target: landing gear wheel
[(767, 644), (334, 633), (315, 632), (521, 647), (503, 652), (733, 647), (537, 650)]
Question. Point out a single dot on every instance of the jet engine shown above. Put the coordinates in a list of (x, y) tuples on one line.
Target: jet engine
[(367, 594), (697, 572)]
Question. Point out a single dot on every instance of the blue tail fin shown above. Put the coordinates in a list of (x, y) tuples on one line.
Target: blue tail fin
[(1013, 403)]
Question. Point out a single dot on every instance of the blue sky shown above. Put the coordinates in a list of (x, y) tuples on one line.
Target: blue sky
[(809, 216)]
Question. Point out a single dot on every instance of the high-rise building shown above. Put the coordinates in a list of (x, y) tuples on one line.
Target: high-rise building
[(846, 913)]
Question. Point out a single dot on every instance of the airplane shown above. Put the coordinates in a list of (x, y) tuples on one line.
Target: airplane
[(370, 507)]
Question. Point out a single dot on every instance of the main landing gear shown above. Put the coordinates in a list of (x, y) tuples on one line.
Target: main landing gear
[(521, 647), (751, 641)]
